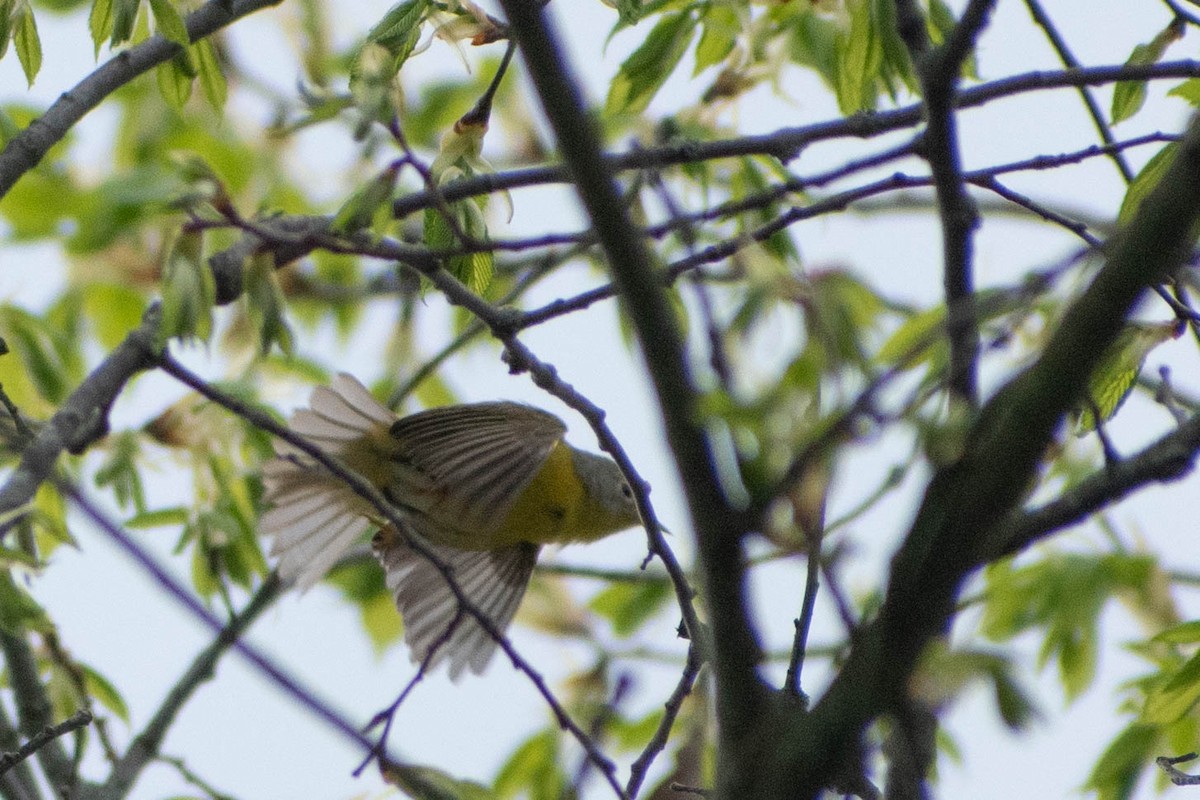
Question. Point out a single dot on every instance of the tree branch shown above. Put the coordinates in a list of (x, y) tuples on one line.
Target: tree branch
[(960, 520), (719, 529), (144, 749), (787, 143), (78, 720), (18, 783), (1170, 458), (26, 149), (34, 712), (83, 417), (939, 72), (1089, 101)]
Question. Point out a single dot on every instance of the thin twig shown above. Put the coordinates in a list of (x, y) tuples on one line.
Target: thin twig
[(662, 734), (78, 720), (1069, 61), (301, 694), (144, 748)]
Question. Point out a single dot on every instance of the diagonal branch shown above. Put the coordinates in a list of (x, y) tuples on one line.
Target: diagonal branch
[(960, 523), (1042, 18), (34, 712), (1170, 458), (26, 149), (144, 749), (83, 417), (719, 527), (79, 719)]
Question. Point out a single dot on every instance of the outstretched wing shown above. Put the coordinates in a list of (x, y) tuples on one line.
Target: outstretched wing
[(314, 516), (464, 466), (436, 627)]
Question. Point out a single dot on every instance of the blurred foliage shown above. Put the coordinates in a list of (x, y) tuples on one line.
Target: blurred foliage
[(205, 151)]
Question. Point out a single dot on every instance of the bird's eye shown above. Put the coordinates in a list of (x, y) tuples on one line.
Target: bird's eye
[(625, 490)]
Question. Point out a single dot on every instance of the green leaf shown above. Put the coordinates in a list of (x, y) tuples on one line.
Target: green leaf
[(27, 43), (362, 583), (1118, 370), (429, 783), (370, 206), (19, 612), (120, 471), (103, 692), (1062, 594), (859, 59), (1176, 697), (113, 310), (168, 23), (46, 355), (913, 341), (124, 16), (533, 770), (212, 78), (264, 301), (374, 65), (175, 78), (1183, 633), (188, 291), (895, 62), (721, 27), (1145, 181), (400, 29), (160, 518), (205, 579), (50, 520), (1117, 771), (1189, 90), (100, 23), (645, 71), (6, 24), (1129, 96), (628, 605)]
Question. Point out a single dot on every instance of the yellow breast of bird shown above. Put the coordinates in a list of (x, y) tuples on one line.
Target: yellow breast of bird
[(553, 506), (549, 509)]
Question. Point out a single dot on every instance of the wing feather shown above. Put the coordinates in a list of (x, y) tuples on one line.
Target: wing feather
[(493, 580), (315, 517), (478, 457)]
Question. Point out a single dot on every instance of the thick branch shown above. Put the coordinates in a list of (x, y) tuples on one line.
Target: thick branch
[(719, 528), (1170, 458), (83, 418), (939, 73), (959, 522)]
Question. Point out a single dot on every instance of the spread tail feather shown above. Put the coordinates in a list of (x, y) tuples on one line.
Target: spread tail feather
[(315, 517), (435, 629)]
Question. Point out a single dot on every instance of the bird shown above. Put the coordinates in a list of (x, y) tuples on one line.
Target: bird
[(484, 485)]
